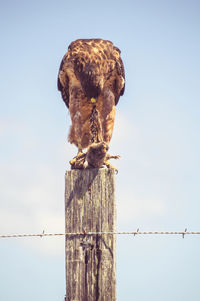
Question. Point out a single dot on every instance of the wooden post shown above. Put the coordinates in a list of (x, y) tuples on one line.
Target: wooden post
[(90, 259)]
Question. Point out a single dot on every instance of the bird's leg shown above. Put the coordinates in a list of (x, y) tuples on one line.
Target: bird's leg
[(78, 161), (80, 152)]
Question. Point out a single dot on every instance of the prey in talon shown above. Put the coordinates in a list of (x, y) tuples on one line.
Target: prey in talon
[(97, 156)]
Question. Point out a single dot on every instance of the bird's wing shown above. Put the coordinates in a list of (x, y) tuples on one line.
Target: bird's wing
[(119, 79), (63, 81)]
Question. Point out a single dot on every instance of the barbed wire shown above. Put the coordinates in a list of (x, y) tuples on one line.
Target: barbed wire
[(84, 233)]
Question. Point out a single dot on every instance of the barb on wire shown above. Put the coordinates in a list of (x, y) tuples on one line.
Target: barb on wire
[(184, 232), (84, 233)]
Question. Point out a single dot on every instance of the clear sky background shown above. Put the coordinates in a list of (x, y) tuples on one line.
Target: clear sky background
[(156, 133)]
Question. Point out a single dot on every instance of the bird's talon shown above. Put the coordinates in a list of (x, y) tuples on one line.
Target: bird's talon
[(71, 162), (108, 165), (78, 161)]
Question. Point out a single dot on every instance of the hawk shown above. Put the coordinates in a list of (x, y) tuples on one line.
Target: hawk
[(91, 80)]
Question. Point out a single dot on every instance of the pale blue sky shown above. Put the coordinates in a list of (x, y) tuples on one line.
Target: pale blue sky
[(156, 133)]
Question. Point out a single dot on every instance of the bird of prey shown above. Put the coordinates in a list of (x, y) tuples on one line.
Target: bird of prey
[(91, 80)]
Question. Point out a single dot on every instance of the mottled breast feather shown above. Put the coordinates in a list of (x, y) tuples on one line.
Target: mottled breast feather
[(96, 63)]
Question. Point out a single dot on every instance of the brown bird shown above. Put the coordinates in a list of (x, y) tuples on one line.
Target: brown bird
[(91, 80)]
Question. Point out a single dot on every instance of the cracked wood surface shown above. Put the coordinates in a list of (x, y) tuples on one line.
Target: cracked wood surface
[(90, 259)]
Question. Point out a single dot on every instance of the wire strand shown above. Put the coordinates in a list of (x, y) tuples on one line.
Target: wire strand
[(43, 234)]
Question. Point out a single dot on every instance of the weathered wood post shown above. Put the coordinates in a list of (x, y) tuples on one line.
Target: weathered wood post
[(90, 258)]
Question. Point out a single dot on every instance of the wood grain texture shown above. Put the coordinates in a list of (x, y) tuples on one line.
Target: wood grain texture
[(90, 259)]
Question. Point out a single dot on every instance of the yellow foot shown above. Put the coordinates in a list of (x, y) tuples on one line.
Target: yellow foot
[(108, 165), (78, 161)]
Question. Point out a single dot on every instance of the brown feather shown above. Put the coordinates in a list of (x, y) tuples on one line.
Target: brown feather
[(92, 68)]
